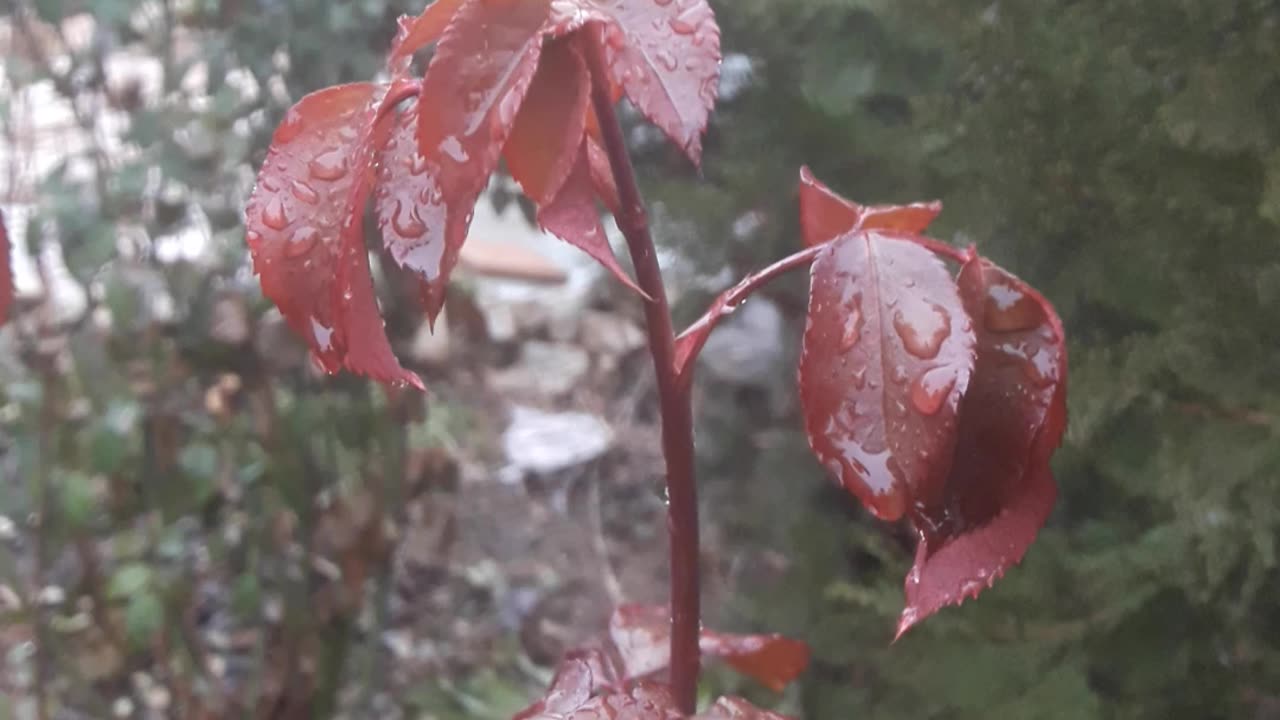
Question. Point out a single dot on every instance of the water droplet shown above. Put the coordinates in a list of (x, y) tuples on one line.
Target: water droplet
[(406, 221), (860, 378), (852, 327), (1009, 309), (923, 329), (417, 164), (329, 165), (668, 60), (932, 388), (662, 3), (899, 374), (1042, 368), (305, 192), (274, 215), (452, 147), (301, 242), (681, 25)]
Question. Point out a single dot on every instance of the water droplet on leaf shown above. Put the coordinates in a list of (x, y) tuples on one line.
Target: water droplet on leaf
[(931, 389)]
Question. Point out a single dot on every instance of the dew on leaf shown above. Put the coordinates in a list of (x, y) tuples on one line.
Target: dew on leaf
[(329, 165), (931, 389), (923, 330), (407, 222), (1008, 309), (304, 192), (274, 215), (301, 242)]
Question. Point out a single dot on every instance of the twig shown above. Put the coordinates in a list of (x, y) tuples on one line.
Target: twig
[(673, 398)]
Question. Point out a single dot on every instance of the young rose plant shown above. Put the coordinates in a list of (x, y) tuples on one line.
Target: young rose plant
[(933, 397)]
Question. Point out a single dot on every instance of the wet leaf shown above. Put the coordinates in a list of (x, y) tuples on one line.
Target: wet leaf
[(641, 637), (474, 87), (544, 143), (572, 217), (1000, 490), (665, 54), (887, 354), (304, 229), (825, 215)]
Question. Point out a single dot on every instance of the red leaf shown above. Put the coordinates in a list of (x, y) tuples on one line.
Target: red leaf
[(476, 83), (572, 217), (577, 694), (408, 203), (602, 176), (1000, 490), (665, 54), (735, 708), (824, 215), (548, 130), (303, 218), (641, 635), (416, 32), (887, 354), (6, 274)]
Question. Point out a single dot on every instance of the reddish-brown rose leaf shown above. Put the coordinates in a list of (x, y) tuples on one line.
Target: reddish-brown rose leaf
[(408, 202), (735, 708), (887, 353), (665, 54), (641, 635), (577, 694), (304, 232), (418, 31), (6, 272), (824, 215), (1000, 490), (572, 217), (472, 91), (544, 141)]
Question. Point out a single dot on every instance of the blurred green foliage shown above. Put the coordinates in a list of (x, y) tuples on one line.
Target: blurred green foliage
[(1123, 158)]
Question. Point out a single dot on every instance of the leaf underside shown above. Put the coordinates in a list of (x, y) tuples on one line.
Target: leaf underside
[(957, 438), (1000, 490)]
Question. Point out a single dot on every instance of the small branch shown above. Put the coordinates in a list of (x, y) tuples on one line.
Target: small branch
[(673, 398), (690, 342)]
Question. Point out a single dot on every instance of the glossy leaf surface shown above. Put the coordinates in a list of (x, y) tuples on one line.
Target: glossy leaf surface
[(664, 54), (474, 86), (641, 637), (887, 354), (825, 215), (6, 272), (1000, 490), (304, 229)]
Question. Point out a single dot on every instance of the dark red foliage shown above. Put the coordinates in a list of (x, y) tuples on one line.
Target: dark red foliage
[(641, 638), (1000, 490), (507, 79), (927, 397), (6, 274), (622, 679)]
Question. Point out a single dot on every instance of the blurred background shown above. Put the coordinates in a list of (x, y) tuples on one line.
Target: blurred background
[(194, 523)]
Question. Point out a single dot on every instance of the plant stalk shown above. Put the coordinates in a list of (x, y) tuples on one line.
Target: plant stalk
[(674, 399)]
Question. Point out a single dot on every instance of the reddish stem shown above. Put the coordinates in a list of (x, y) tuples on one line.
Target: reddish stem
[(673, 397), (690, 342)]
